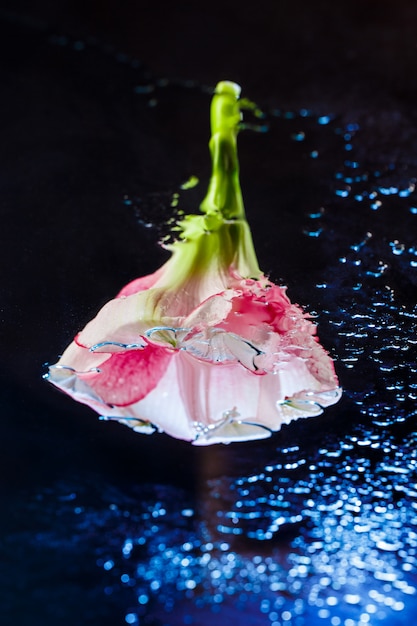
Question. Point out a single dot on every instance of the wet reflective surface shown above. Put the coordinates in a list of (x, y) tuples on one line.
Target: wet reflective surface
[(317, 525)]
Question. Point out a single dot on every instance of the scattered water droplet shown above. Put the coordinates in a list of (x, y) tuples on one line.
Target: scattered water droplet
[(323, 120), (298, 136), (397, 247)]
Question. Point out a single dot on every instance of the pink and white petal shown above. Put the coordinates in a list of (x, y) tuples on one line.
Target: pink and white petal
[(194, 400), (292, 392), (211, 312), (245, 352), (192, 395), (322, 398), (127, 377), (70, 383), (321, 366), (164, 406), (80, 359), (209, 390), (231, 431), (123, 320), (140, 284), (208, 345), (207, 403), (214, 345)]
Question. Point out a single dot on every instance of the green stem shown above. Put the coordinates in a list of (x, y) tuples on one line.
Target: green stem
[(220, 239), (224, 194)]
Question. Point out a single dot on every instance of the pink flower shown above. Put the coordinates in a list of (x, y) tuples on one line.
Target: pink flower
[(206, 349)]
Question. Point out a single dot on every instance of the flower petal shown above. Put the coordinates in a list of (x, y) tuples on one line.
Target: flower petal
[(127, 377), (140, 284)]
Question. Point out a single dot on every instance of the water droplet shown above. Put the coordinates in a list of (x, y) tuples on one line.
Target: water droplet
[(312, 232), (323, 120), (397, 248)]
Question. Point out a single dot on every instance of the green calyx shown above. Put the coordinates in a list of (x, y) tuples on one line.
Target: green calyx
[(220, 237)]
